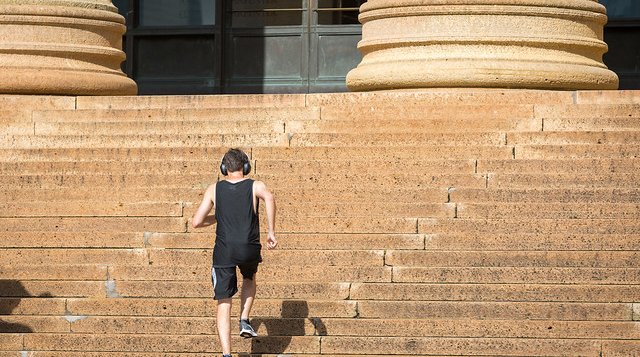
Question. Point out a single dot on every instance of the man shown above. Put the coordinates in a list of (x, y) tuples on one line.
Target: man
[(235, 201)]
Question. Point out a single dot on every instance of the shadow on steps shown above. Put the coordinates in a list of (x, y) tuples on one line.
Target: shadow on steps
[(279, 331), (11, 293)]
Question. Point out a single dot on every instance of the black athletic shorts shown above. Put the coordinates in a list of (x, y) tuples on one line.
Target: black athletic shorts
[(225, 280)]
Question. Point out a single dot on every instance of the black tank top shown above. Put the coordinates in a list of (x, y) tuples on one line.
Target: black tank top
[(238, 228)]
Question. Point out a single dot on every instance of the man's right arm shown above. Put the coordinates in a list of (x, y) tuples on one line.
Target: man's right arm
[(201, 218)]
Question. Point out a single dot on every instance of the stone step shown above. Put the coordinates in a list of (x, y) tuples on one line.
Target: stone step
[(57, 288), (460, 346), (343, 327), (509, 310), (34, 306), (351, 258), (547, 195), (166, 289), (190, 114), (141, 141), (141, 194), (268, 272), (438, 97), (309, 209), (548, 210), (577, 151), (193, 193), (499, 292), (271, 167), (417, 166), (113, 155), (268, 290), (590, 259), (520, 226), (416, 121), (286, 208), (605, 278), (65, 257), (32, 324), (587, 111), (94, 128), (177, 354), (90, 209), (188, 257), (511, 115), (574, 138), (214, 154), (345, 180), (93, 224), (192, 101), (608, 123), (388, 327), (196, 307), (13, 128), (351, 152), (26, 103), (73, 239), (14, 275), (532, 241), (586, 166), (164, 343), (578, 180), (608, 97), (295, 241), (285, 224), (404, 140)]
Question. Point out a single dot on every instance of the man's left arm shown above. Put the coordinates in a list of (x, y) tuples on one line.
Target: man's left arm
[(261, 191)]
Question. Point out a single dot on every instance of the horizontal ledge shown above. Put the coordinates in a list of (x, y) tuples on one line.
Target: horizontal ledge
[(542, 43)]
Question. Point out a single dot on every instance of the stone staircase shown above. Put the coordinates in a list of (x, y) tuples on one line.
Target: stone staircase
[(429, 223)]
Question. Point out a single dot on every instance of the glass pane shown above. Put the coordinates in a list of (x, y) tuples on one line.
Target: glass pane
[(339, 12), (338, 17), (174, 56), (337, 55), (256, 19), (624, 49), (340, 4), (177, 12), (622, 9), (248, 5), (267, 57), (122, 5)]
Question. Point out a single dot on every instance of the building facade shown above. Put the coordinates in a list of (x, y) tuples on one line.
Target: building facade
[(283, 46)]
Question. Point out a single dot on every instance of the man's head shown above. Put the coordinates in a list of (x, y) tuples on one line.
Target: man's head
[(235, 160)]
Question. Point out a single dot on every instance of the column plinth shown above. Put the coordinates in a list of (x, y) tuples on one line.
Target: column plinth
[(62, 47), (529, 44)]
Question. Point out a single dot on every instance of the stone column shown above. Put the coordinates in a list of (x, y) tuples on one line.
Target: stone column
[(535, 44), (62, 47)]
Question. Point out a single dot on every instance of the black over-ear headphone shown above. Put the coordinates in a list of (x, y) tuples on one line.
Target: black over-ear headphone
[(246, 167)]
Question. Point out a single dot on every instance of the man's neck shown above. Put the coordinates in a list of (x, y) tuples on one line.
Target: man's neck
[(235, 176)]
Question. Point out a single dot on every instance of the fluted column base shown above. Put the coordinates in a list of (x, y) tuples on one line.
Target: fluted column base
[(62, 47), (528, 44)]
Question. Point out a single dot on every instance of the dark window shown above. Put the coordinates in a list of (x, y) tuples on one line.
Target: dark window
[(174, 56), (177, 12), (622, 35)]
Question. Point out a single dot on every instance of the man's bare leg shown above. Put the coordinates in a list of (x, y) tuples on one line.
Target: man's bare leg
[(248, 295), (223, 322)]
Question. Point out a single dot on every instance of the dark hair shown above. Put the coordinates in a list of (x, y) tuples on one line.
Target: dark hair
[(234, 160)]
